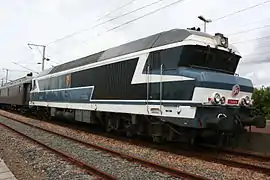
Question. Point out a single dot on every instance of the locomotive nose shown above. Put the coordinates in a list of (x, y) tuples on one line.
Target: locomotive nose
[(221, 122)]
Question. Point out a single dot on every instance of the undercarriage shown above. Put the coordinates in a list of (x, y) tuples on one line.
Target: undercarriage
[(221, 130)]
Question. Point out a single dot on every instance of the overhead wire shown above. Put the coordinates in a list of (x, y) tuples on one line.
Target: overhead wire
[(255, 22), (140, 17), (263, 46), (109, 20), (16, 70), (256, 62), (216, 19), (255, 39), (249, 30), (163, 7), (116, 9), (241, 10), (42, 56), (250, 60), (127, 13), (155, 2), (104, 16), (256, 54), (25, 67)]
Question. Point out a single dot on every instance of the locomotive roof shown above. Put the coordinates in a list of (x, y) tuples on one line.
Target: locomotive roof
[(156, 40)]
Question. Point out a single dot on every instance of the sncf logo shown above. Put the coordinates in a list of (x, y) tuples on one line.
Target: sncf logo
[(235, 90)]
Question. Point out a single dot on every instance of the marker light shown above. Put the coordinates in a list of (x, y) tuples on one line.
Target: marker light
[(233, 101)]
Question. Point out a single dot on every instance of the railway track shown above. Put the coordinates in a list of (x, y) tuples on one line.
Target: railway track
[(239, 159), (214, 156), (92, 170), (238, 162), (243, 153), (240, 153), (211, 154)]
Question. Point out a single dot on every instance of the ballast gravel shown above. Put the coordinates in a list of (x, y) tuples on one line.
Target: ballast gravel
[(29, 161), (204, 168), (119, 168)]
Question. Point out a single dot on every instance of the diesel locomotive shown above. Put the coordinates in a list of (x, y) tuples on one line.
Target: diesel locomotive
[(173, 84)]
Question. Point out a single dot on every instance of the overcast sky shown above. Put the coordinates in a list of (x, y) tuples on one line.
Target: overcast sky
[(44, 21)]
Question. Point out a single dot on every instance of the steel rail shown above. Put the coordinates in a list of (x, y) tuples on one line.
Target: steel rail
[(240, 152), (174, 172), (161, 168), (90, 169)]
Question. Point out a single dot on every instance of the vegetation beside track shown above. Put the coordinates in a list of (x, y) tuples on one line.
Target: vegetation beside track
[(261, 97)]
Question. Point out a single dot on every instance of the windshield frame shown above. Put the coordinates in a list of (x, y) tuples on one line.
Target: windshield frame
[(212, 59), (175, 57)]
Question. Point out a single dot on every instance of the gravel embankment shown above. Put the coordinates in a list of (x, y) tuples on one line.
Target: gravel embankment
[(115, 166), (193, 165), (29, 161)]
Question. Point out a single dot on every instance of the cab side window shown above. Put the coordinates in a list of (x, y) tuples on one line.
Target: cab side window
[(169, 58)]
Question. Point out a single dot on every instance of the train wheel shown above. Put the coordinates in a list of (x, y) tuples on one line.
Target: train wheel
[(157, 139), (128, 128), (108, 125), (192, 141), (222, 140)]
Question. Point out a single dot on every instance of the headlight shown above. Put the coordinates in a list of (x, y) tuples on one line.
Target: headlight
[(216, 98), (251, 102), (222, 40), (246, 101), (223, 100)]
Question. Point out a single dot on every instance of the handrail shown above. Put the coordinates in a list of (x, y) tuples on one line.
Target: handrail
[(147, 87), (160, 88)]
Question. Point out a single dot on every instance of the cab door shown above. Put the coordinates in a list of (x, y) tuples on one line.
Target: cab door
[(26, 93), (154, 85)]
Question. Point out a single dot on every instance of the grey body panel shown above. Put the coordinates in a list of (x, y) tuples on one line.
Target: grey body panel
[(156, 40), (77, 63)]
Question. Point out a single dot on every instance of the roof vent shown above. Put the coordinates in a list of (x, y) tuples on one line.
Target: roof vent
[(30, 74), (194, 29)]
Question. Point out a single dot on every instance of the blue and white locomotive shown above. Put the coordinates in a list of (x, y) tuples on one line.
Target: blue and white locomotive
[(164, 85)]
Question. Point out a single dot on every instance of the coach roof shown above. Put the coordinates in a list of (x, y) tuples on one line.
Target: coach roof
[(159, 39), (20, 81)]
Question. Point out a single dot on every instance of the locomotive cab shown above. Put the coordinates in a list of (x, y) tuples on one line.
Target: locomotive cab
[(222, 98)]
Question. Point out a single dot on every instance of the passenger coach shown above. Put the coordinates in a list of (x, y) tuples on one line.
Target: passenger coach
[(16, 93)]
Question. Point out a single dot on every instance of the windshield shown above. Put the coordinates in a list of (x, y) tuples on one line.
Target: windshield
[(208, 58), (193, 56)]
